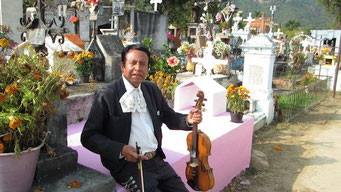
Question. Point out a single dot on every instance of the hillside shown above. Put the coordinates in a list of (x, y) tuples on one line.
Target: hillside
[(306, 12)]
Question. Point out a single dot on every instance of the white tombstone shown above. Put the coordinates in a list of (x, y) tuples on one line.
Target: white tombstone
[(259, 59), (185, 94)]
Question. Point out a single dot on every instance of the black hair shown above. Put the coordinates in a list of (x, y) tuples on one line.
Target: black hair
[(134, 47)]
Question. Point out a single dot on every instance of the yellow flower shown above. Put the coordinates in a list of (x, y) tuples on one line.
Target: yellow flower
[(4, 43), (14, 122), (128, 28), (11, 89)]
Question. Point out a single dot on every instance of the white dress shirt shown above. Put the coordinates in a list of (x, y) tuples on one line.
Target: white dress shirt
[(142, 130)]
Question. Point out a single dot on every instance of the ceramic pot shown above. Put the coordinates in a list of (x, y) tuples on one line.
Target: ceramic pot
[(236, 117), (17, 173)]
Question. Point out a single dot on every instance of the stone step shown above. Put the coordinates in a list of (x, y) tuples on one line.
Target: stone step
[(259, 120), (49, 169), (90, 180)]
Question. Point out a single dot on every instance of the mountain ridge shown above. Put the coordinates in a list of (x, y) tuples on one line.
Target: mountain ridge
[(307, 12)]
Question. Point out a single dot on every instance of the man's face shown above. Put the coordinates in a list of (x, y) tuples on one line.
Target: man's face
[(136, 67)]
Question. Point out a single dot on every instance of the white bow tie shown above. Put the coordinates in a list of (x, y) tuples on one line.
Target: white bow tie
[(133, 101)]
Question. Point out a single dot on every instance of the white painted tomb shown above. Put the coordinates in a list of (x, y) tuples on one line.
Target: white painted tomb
[(186, 93), (259, 53)]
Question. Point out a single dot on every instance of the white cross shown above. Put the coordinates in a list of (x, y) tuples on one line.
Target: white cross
[(237, 19), (155, 3), (209, 61), (249, 21)]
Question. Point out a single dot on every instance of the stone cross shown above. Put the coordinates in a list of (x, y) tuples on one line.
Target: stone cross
[(209, 61), (155, 3), (236, 20), (249, 21)]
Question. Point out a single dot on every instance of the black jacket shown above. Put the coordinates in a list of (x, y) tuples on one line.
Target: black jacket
[(107, 128)]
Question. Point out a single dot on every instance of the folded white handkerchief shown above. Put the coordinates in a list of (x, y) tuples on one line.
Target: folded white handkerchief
[(133, 101)]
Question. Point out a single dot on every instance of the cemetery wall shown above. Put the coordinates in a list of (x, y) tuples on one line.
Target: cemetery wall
[(10, 13)]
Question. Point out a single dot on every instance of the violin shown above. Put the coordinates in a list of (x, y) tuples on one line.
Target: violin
[(198, 172)]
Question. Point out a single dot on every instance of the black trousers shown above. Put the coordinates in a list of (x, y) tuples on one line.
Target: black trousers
[(159, 176)]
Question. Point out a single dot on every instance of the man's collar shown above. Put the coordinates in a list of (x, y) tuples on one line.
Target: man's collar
[(129, 87)]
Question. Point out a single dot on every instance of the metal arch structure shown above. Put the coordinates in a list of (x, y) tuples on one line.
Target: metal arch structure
[(302, 36), (37, 26)]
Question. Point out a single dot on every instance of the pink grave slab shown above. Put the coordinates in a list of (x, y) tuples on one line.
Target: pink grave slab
[(230, 153)]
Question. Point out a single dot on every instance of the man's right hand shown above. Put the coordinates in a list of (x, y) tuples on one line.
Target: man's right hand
[(130, 154)]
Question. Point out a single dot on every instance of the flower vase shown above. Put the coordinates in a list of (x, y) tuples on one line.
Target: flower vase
[(190, 64), (17, 173), (84, 78), (236, 117)]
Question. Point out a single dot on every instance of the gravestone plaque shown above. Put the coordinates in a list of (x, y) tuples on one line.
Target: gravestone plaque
[(254, 76)]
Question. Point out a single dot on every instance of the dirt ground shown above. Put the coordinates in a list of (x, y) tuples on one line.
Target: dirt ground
[(310, 159)]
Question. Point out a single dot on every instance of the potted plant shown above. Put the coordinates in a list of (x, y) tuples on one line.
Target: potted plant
[(27, 94), (237, 102), (84, 65)]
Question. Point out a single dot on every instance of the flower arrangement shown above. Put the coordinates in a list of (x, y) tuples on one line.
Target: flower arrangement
[(308, 79), (27, 94), (236, 98), (84, 62), (220, 49), (5, 41), (127, 35), (186, 49), (163, 69), (166, 83)]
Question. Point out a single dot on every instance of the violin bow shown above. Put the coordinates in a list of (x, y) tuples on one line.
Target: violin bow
[(139, 166)]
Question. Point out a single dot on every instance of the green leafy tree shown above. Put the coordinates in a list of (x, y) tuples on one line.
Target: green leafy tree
[(292, 24), (333, 7)]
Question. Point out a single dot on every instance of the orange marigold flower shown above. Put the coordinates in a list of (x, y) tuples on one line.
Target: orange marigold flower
[(74, 184), (37, 76), (11, 89), (92, 83), (7, 137), (2, 147), (14, 122), (80, 61), (278, 148), (2, 97)]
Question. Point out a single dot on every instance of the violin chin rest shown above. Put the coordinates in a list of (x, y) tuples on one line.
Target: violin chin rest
[(193, 185)]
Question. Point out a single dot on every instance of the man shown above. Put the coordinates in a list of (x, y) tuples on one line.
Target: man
[(132, 110)]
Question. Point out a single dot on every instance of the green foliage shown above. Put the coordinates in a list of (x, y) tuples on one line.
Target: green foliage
[(292, 25), (163, 69), (27, 93), (333, 7)]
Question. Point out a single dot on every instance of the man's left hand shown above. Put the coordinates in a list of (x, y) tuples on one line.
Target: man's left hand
[(194, 116)]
